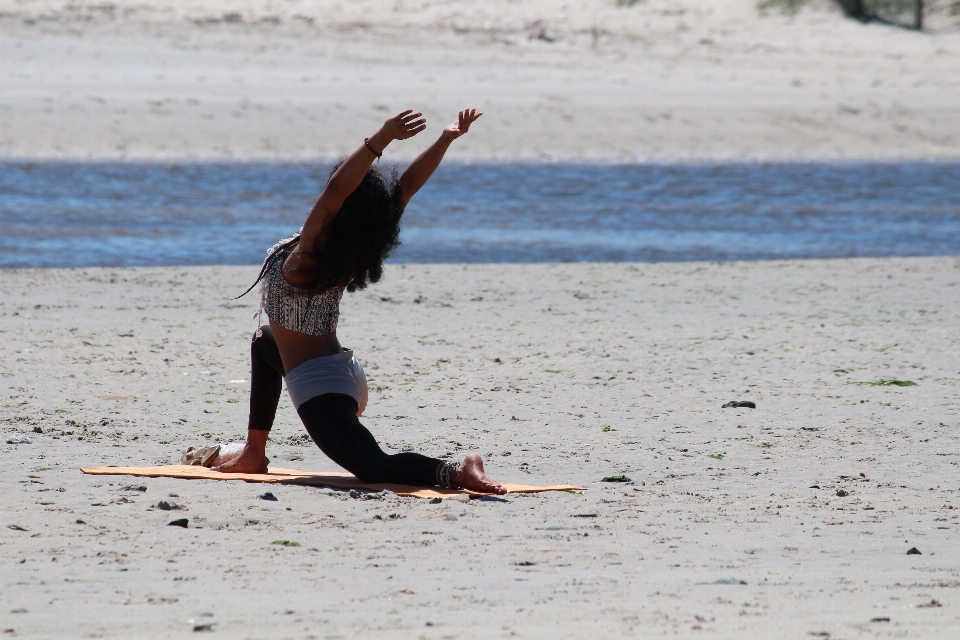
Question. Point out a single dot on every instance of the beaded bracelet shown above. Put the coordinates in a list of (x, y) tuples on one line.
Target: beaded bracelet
[(366, 142), (448, 475)]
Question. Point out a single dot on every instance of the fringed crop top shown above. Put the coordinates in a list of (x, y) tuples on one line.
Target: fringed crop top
[(306, 311)]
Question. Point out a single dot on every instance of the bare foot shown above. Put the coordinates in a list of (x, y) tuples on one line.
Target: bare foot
[(472, 477), (249, 461)]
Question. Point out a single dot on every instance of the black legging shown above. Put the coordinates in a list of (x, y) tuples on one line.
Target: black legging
[(331, 420)]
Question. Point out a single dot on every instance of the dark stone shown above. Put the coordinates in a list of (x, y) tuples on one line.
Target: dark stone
[(739, 404), (436, 500), (913, 551), (268, 496), (842, 493), (181, 522)]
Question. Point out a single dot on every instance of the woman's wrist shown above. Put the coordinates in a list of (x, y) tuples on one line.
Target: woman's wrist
[(378, 142)]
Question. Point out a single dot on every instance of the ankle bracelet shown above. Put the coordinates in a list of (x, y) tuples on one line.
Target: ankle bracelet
[(448, 475)]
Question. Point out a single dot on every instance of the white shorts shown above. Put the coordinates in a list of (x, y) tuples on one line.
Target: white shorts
[(339, 373)]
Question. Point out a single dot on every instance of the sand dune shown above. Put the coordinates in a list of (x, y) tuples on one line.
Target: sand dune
[(677, 80)]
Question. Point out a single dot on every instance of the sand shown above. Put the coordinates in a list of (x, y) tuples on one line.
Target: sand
[(556, 373), (659, 80), (791, 520)]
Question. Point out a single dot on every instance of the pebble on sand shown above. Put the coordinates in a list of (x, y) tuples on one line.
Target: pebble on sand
[(19, 438), (739, 404), (620, 478)]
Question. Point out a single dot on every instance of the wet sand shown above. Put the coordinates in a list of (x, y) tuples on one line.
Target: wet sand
[(787, 520)]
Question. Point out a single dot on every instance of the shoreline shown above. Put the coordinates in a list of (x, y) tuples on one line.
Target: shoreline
[(483, 161)]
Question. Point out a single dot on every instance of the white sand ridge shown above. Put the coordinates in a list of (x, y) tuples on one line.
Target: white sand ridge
[(582, 80)]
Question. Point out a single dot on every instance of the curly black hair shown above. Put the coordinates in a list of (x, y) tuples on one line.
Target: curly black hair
[(363, 234), (360, 237)]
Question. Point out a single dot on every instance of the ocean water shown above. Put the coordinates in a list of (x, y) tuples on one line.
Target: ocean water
[(77, 214)]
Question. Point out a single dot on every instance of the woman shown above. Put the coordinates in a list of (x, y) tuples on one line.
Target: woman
[(351, 229)]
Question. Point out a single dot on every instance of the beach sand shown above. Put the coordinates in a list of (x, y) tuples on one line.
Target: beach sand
[(562, 373), (300, 79), (791, 520)]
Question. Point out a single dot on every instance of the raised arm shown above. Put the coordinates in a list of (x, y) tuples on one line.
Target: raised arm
[(427, 162), (350, 174)]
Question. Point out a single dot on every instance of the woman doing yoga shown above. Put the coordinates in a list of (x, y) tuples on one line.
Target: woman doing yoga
[(351, 229)]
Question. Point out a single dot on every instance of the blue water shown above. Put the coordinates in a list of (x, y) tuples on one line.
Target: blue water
[(72, 214)]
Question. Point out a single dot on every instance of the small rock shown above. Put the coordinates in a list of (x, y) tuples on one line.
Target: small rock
[(19, 438), (203, 627), (163, 505), (436, 500), (729, 581), (882, 619), (814, 486), (615, 479), (268, 496), (842, 493), (913, 551), (15, 527), (451, 517), (181, 522), (739, 404), (38, 429), (79, 521)]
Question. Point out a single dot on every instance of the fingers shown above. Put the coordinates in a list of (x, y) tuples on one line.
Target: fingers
[(406, 124), (466, 118), (415, 123), (409, 115), (407, 119), (412, 131)]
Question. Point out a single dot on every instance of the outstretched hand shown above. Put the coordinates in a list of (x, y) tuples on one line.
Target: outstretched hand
[(404, 125), (467, 118)]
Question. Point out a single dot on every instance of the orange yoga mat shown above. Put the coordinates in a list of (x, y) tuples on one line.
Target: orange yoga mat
[(338, 479)]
